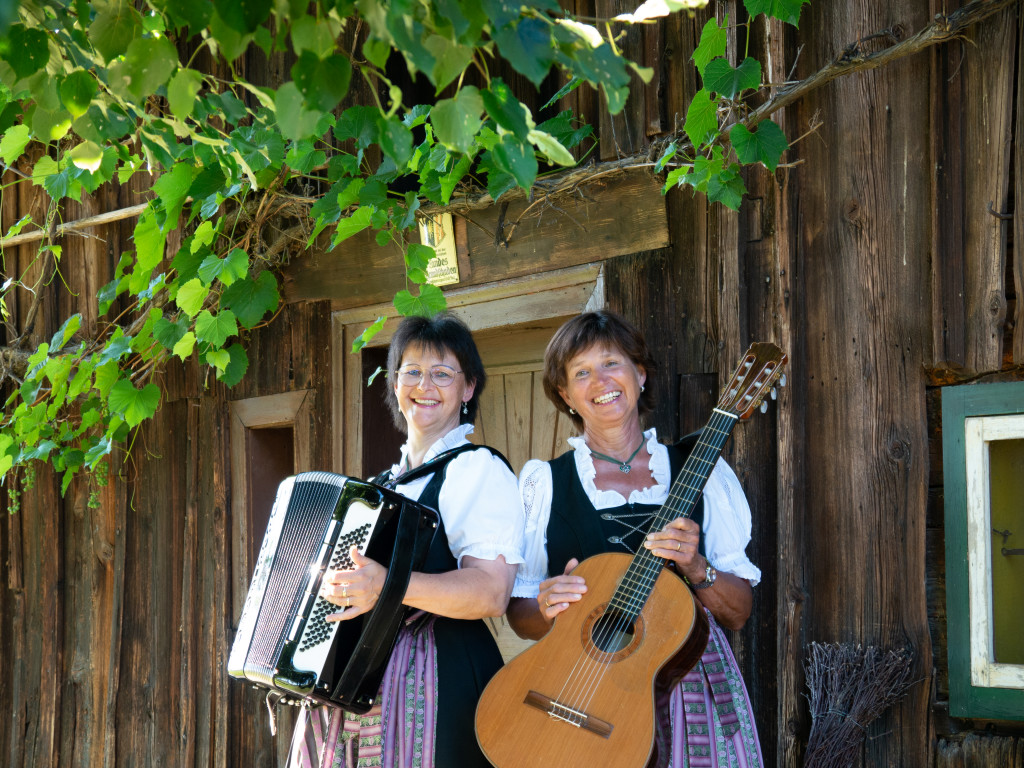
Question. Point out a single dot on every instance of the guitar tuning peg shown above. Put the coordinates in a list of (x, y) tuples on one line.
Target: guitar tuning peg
[(764, 407), (782, 380), (775, 394)]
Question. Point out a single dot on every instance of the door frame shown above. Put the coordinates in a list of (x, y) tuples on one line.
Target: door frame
[(494, 305)]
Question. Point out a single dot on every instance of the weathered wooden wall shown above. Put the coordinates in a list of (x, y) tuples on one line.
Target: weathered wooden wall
[(872, 261)]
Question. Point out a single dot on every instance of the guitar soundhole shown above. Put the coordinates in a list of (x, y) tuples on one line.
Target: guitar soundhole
[(613, 632)]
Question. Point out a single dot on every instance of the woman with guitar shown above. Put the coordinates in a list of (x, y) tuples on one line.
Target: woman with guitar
[(445, 655), (601, 497)]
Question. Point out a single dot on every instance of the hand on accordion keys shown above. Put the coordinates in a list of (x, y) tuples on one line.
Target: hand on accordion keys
[(355, 590)]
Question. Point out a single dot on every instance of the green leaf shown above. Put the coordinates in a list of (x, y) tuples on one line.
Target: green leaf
[(727, 188), (450, 60), (723, 79), (314, 35), (376, 52), (182, 92), (231, 42), (251, 300), (148, 63), (216, 329), (765, 144), (29, 50), (528, 47), (295, 120), (367, 335), (114, 27), (550, 147), (149, 250), (169, 333), (65, 332), (185, 345), (243, 15), (359, 123), (713, 40), (516, 157), (218, 358), (238, 364), (456, 121), (507, 111), (133, 404), (77, 91), (322, 82), (396, 141), (14, 142), (701, 118), (233, 267), (16, 228), (352, 225), (784, 10), (171, 189), (429, 303), (87, 156), (191, 296)]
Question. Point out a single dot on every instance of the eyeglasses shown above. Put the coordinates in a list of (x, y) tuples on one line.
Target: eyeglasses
[(441, 375)]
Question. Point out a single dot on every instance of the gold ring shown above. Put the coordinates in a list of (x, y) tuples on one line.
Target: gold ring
[(679, 546), (547, 602), (344, 591)]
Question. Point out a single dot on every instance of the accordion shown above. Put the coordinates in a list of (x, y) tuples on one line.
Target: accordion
[(283, 643)]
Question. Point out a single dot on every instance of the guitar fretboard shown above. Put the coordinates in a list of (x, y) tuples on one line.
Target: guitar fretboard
[(643, 571)]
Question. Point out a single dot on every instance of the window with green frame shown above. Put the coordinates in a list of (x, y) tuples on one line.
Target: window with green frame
[(983, 464)]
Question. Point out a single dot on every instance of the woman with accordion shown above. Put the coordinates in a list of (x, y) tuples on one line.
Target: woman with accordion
[(445, 654)]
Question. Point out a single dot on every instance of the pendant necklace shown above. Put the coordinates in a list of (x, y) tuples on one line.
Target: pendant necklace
[(623, 465)]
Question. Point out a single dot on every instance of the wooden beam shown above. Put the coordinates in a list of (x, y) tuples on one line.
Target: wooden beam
[(595, 221)]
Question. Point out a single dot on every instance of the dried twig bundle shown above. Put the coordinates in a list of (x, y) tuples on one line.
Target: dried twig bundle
[(850, 686)]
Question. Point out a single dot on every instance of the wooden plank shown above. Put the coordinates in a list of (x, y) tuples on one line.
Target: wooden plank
[(491, 417), (1018, 216), (543, 423), (608, 217), (624, 134), (989, 78), (518, 417)]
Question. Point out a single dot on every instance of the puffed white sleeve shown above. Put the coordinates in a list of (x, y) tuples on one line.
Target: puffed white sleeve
[(535, 491), (479, 504), (727, 524)]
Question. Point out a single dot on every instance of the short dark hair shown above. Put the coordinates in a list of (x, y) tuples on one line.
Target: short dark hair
[(584, 331), (440, 333)]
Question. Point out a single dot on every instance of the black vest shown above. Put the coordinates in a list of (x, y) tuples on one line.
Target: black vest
[(576, 529)]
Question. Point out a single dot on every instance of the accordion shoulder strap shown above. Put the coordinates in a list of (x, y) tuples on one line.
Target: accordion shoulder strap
[(438, 462)]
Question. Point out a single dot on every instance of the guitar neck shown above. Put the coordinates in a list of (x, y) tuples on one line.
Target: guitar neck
[(639, 578)]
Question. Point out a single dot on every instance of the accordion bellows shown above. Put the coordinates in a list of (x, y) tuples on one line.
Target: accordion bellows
[(283, 642)]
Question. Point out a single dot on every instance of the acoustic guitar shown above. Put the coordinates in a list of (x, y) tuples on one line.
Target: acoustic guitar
[(584, 694)]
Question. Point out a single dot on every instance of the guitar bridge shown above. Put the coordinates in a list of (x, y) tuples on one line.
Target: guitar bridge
[(568, 714)]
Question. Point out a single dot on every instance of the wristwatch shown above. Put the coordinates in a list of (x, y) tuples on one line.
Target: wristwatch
[(710, 574)]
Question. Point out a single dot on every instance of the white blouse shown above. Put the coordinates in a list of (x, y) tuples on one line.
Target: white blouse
[(478, 502), (726, 512)]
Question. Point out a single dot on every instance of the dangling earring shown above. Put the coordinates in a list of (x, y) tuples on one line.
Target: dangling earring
[(465, 409)]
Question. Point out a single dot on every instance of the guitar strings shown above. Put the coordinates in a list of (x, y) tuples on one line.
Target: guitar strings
[(583, 681)]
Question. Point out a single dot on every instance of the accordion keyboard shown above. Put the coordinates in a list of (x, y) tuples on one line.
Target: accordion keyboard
[(318, 629)]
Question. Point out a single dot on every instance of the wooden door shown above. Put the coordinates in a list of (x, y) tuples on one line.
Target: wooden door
[(515, 416)]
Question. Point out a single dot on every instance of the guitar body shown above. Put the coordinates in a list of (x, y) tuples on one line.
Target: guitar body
[(584, 694)]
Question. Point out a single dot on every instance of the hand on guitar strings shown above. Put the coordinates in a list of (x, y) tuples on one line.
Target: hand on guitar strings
[(355, 590), (677, 542), (558, 592)]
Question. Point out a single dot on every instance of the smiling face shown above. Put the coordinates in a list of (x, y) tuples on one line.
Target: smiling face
[(431, 411), (603, 386)]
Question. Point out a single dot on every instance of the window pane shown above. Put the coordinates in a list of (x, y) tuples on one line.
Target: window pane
[(1006, 465)]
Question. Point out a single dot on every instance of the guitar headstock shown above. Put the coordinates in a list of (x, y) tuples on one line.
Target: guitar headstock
[(753, 380)]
